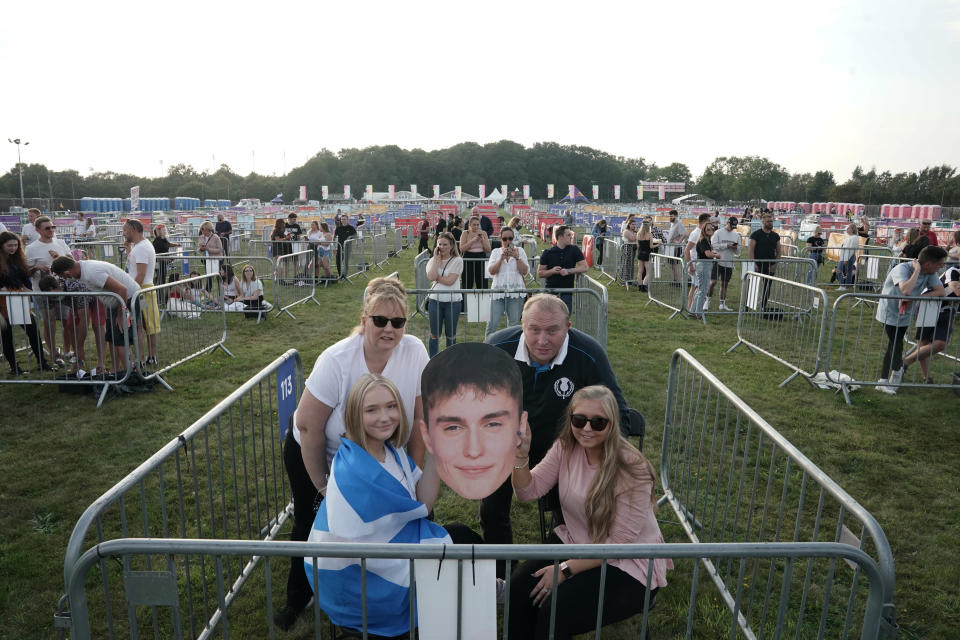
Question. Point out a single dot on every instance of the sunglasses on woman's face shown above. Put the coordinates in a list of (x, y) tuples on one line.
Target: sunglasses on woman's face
[(506, 238), (381, 322), (597, 423)]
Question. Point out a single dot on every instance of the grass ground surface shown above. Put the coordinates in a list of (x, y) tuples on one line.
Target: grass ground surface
[(896, 455)]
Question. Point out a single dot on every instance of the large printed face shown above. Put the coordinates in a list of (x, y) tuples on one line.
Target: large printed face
[(473, 438)]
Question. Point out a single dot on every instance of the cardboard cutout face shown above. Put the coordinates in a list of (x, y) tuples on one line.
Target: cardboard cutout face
[(472, 414)]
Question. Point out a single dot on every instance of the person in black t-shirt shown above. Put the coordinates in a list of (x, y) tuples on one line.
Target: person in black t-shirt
[(223, 228), (560, 264), (815, 244), (292, 228), (764, 245), (343, 232)]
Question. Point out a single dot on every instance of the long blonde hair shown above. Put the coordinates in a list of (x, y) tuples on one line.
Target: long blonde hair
[(353, 411), (620, 459), (381, 290)]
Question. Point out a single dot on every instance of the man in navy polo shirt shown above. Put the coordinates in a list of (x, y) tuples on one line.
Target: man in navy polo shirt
[(560, 264)]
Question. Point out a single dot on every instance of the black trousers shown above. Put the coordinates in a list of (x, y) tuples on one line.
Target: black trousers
[(770, 269), (893, 356), (304, 493), (472, 277), (423, 244), (578, 596)]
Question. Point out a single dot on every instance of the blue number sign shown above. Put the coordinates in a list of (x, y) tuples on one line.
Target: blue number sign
[(286, 395)]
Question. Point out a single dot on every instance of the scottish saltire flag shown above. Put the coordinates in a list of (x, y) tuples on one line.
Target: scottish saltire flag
[(365, 503)]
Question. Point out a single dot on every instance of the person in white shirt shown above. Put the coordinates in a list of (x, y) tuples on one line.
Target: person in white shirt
[(103, 276), (79, 226), (507, 265), (689, 255), (675, 236), (29, 231), (141, 263), (848, 257), (726, 242), (40, 256)]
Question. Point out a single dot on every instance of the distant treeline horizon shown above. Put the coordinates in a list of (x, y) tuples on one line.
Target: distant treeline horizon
[(468, 164)]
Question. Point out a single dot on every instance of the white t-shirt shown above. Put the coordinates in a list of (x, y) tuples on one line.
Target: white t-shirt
[(850, 246), (142, 253), (453, 266), (339, 367), (676, 232), (79, 227), (94, 274), (38, 253), (509, 276), (252, 288), (29, 232), (393, 468), (721, 238)]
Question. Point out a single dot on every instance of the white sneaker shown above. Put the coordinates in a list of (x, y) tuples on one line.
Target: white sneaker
[(724, 307), (896, 377), (882, 387), (706, 304), (841, 288)]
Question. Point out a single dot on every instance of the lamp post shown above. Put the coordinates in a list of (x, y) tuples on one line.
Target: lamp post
[(19, 166)]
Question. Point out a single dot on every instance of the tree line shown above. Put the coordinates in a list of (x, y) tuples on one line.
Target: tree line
[(468, 164)]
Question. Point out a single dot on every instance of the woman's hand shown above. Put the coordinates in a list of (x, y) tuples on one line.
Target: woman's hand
[(523, 439), (545, 586)]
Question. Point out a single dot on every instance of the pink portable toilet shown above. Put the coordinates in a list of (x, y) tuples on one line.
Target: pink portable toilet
[(921, 211), (936, 212), (906, 211), (805, 207), (885, 211)]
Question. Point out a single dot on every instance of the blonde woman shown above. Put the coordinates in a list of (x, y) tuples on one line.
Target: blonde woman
[(607, 496), (644, 249)]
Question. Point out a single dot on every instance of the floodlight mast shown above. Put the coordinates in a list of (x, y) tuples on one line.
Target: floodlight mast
[(17, 142)]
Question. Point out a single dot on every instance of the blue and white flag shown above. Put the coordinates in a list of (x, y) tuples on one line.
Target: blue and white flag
[(365, 503)]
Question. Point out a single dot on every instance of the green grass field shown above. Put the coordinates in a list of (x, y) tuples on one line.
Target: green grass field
[(895, 455)]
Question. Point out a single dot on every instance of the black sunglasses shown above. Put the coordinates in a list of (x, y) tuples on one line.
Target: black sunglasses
[(505, 238), (597, 423), (381, 322)]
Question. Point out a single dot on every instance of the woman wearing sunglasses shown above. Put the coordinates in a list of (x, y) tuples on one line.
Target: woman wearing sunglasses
[(378, 345), (607, 497)]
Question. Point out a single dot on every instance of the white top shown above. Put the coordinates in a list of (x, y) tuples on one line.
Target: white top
[(230, 288), (251, 288), (29, 232), (3, 227), (850, 246), (721, 238), (393, 468), (676, 232), (38, 253), (341, 364), (94, 274), (451, 266), (79, 227), (90, 232), (509, 276), (142, 253)]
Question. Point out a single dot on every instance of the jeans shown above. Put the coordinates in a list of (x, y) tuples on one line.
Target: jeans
[(846, 270), (512, 307), (443, 315), (703, 270)]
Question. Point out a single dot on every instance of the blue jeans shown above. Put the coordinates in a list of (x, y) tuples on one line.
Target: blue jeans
[(703, 271), (512, 306), (846, 270), (443, 315)]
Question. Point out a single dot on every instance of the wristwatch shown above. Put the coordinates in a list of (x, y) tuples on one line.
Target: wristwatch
[(565, 570)]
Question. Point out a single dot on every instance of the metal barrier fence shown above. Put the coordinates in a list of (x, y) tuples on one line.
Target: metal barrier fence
[(180, 321), (223, 477), (611, 258), (28, 319), (585, 316), (353, 255), (872, 270), (668, 282), (858, 343), (379, 253), (276, 248), (181, 265), (104, 251), (790, 327), (731, 477), (295, 282)]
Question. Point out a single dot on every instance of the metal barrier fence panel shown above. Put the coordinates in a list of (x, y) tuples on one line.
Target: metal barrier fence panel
[(295, 283), (857, 343), (172, 607), (589, 316), (611, 258), (179, 321), (276, 248), (104, 251), (353, 255), (668, 282), (379, 247), (30, 319), (176, 265), (222, 478), (872, 270), (731, 477), (790, 328)]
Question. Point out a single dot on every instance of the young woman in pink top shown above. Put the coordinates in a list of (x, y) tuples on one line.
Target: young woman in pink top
[(607, 497)]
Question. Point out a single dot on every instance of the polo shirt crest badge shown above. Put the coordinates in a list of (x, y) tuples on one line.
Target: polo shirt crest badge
[(563, 387)]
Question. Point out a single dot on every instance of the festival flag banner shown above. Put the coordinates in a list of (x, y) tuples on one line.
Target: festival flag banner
[(368, 193), (639, 192), (483, 191), (503, 190), (392, 189), (596, 192), (458, 192), (346, 192), (662, 192), (616, 192), (572, 191), (134, 198), (549, 190), (324, 192), (303, 192), (436, 191), (526, 192), (413, 189)]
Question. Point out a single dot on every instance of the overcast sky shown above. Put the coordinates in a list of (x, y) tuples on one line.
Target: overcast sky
[(821, 84)]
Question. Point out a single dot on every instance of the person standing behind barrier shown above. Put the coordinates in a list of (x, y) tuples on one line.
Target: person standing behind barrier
[(933, 340), (953, 250), (560, 264), (474, 248), (292, 228), (15, 276), (378, 346), (726, 242), (926, 229), (321, 239), (848, 257), (79, 226), (644, 249), (815, 244), (343, 231), (676, 235), (507, 265), (424, 235), (599, 234), (223, 230), (103, 276), (141, 264), (29, 231), (764, 245), (162, 245), (443, 270), (554, 361), (689, 255), (607, 495), (40, 256), (211, 247), (908, 279), (863, 229), (628, 253), (704, 265), (278, 240)]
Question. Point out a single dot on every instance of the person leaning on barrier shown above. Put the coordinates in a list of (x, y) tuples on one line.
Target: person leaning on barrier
[(379, 345), (560, 264), (103, 276), (933, 340), (554, 361), (764, 245), (607, 495), (914, 278), (15, 276)]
